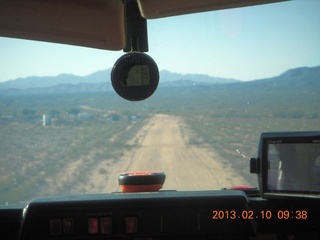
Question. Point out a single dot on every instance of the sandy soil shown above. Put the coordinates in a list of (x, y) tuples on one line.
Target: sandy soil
[(162, 145)]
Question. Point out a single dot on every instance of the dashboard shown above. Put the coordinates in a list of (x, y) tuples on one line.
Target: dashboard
[(220, 214)]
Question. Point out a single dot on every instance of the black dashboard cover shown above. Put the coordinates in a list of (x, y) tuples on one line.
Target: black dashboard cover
[(158, 214)]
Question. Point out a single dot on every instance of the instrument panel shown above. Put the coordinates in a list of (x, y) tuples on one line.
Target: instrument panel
[(221, 214)]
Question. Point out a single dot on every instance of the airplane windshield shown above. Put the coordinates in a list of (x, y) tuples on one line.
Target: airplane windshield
[(225, 77)]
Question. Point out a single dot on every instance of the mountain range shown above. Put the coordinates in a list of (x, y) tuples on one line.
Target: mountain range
[(100, 81), (101, 77)]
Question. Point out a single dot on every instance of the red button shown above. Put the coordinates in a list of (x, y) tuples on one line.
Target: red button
[(131, 225), (93, 226)]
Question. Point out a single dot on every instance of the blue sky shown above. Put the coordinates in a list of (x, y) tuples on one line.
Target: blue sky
[(245, 43)]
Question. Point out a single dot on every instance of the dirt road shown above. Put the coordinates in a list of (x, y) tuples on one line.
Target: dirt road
[(162, 146)]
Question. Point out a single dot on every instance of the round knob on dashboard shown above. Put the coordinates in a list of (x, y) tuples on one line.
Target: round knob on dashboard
[(148, 181)]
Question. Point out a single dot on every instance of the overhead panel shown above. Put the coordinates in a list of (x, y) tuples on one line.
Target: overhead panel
[(90, 23), (165, 8)]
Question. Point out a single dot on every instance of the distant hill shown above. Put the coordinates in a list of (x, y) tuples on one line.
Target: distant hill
[(43, 82), (303, 77), (306, 76), (166, 76), (101, 77), (302, 73)]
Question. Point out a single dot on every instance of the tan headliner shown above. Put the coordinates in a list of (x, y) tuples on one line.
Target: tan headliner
[(92, 23), (165, 8)]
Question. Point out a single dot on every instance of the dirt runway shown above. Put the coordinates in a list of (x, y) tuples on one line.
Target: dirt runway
[(162, 146)]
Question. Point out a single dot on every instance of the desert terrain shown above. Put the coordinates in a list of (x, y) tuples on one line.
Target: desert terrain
[(162, 145)]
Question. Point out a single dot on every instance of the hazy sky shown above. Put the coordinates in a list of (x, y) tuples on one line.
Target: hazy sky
[(245, 43)]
